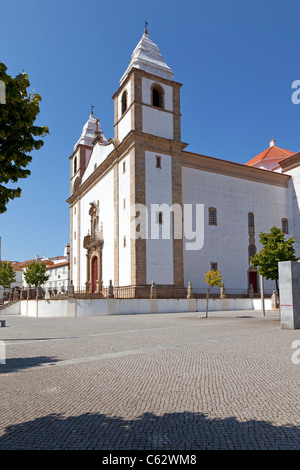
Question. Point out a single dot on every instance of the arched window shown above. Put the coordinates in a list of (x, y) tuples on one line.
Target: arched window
[(157, 96), (75, 165), (285, 225), (124, 102), (212, 216)]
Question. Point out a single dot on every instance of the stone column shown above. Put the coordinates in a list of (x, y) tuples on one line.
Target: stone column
[(289, 281)]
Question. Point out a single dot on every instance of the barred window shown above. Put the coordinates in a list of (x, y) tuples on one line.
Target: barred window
[(250, 219), (285, 226), (212, 216)]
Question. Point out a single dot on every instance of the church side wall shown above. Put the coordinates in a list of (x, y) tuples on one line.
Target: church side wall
[(294, 189), (124, 245), (159, 252), (227, 243)]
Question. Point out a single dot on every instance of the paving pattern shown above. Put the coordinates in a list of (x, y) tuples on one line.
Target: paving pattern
[(164, 382)]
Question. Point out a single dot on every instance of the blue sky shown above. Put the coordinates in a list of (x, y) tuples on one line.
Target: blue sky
[(236, 59)]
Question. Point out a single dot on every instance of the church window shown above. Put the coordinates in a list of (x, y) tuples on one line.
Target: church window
[(157, 96), (75, 165), (124, 242), (213, 266), (252, 251), (250, 219), (285, 226), (212, 216), (158, 161), (95, 166), (124, 203), (74, 259), (159, 218), (124, 167), (74, 235), (124, 102)]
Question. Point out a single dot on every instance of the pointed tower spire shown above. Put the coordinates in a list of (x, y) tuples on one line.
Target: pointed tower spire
[(147, 56)]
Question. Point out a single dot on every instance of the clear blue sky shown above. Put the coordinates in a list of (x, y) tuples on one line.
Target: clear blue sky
[(236, 60)]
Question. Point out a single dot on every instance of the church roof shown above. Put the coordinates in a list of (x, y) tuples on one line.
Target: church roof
[(89, 130), (147, 56), (273, 155)]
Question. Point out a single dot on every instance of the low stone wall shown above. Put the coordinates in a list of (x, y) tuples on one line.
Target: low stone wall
[(97, 307)]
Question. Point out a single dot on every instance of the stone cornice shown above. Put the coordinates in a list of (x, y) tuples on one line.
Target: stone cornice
[(236, 170), (290, 163), (151, 76), (133, 138)]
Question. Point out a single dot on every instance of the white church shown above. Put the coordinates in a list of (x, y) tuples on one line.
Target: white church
[(122, 189)]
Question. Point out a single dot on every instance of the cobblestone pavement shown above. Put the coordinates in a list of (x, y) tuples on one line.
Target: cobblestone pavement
[(163, 381)]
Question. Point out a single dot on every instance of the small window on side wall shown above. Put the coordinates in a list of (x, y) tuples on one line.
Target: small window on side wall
[(158, 161), (75, 165), (213, 266), (124, 102), (250, 219), (285, 226), (212, 216)]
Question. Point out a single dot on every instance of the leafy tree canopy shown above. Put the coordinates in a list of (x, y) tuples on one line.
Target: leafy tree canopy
[(35, 274), (213, 278), (17, 133), (275, 248), (7, 274)]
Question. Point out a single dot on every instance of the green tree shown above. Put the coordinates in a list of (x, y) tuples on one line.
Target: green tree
[(7, 274), (275, 248), (35, 274), (212, 278), (17, 133)]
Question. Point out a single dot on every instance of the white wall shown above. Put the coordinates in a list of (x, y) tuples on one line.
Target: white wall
[(124, 222), (124, 125), (159, 252), (227, 243), (100, 307), (156, 121), (103, 192), (294, 189)]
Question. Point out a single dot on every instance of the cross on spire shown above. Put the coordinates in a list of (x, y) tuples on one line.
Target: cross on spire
[(146, 24), (92, 109)]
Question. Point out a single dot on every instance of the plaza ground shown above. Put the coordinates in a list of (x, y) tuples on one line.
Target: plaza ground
[(161, 381)]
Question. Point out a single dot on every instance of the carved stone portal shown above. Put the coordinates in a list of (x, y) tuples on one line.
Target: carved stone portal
[(93, 243)]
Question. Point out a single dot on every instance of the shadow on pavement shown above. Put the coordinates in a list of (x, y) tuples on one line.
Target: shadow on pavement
[(180, 431), (19, 363)]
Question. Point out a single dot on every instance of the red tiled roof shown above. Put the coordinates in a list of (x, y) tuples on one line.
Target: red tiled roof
[(272, 154)]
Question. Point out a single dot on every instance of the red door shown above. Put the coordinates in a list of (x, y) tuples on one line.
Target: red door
[(253, 280), (95, 273)]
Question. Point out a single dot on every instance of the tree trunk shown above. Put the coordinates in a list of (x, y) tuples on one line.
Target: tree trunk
[(207, 299)]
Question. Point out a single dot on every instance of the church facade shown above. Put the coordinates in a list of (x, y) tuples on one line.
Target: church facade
[(143, 209)]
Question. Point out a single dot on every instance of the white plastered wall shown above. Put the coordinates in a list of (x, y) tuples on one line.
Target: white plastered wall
[(124, 222), (103, 191), (155, 121), (159, 252), (124, 126), (227, 243)]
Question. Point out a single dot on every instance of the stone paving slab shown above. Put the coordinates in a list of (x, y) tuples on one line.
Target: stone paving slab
[(162, 381)]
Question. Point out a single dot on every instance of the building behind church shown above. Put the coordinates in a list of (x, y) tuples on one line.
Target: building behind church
[(122, 189)]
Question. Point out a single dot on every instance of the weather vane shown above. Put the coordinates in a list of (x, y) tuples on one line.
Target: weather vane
[(92, 109), (146, 24)]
